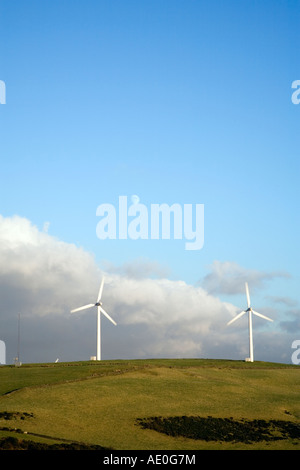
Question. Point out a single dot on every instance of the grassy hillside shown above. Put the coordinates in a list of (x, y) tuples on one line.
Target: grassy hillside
[(152, 404)]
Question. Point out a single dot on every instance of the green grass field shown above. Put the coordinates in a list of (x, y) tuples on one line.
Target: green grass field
[(104, 403)]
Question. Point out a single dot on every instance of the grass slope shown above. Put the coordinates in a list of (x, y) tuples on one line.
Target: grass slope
[(107, 404)]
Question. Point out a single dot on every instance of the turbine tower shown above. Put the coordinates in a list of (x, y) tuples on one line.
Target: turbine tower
[(250, 311), (100, 310)]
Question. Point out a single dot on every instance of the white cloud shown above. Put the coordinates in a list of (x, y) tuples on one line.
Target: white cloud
[(229, 278), (42, 278), (292, 322), (163, 302), (43, 273), (138, 268)]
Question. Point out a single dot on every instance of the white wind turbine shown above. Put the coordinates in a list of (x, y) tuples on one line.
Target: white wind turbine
[(250, 311), (100, 310)]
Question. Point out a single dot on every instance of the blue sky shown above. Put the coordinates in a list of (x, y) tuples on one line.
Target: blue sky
[(174, 101)]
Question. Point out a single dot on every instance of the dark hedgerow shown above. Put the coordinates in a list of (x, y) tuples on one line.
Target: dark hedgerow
[(14, 415), (12, 443), (222, 429)]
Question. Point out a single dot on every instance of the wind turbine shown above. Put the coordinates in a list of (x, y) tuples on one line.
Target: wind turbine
[(100, 310), (250, 311)]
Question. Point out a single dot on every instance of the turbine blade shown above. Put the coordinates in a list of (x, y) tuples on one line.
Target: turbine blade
[(262, 316), (82, 308), (247, 293), (100, 290), (238, 316), (107, 316)]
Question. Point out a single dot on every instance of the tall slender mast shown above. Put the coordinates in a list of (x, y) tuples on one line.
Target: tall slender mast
[(98, 335), (250, 337), (18, 352)]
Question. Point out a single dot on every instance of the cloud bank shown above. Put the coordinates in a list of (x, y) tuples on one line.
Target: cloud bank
[(43, 278), (229, 278)]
